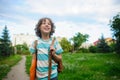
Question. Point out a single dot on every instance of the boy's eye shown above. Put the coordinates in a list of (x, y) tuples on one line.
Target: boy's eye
[(43, 23), (49, 24), (46, 23)]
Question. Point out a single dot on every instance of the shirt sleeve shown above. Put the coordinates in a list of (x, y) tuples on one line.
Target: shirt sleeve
[(32, 48), (58, 47)]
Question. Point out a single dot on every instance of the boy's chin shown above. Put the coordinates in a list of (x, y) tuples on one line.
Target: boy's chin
[(46, 32)]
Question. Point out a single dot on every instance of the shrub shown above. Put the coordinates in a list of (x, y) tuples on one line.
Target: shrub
[(93, 49), (83, 50)]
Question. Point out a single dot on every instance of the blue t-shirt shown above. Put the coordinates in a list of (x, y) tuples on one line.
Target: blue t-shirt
[(42, 58)]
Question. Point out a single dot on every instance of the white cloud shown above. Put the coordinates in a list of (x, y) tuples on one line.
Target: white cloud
[(71, 7), (100, 11), (17, 24)]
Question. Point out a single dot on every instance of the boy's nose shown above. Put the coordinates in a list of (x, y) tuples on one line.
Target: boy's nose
[(46, 25)]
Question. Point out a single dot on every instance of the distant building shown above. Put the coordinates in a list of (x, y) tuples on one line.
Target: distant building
[(23, 38), (110, 40), (107, 40), (96, 42), (86, 45)]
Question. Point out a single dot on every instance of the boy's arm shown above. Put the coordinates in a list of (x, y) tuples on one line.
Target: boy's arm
[(56, 57)]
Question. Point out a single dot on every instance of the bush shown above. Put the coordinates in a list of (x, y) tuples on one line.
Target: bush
[(112, 47), (93, 49), (26, 52), (83, 50), (22, 49)]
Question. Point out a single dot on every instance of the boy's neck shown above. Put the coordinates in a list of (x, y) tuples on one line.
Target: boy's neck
[(45, 37)]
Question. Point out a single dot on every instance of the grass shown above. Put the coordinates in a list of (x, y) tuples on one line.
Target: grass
[(28, 63), (88, 66), (6, 63)]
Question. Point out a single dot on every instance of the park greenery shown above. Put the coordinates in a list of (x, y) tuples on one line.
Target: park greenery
[(97, 62), (115, 27), (5, 43), (78, 39)]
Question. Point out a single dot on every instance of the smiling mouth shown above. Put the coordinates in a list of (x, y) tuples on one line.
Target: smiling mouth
[(47, 29)]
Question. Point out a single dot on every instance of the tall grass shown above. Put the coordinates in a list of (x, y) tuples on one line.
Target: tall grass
[(28, 63), (6, 63), (89, 66)]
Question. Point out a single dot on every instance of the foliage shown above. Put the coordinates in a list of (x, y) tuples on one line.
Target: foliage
[(115, 27), (102, 46), (65, 45), (83, 50), (22, 49), (93, 49), (5, 37), (112, 47), (5, 44), (28, 63), (78, 39)]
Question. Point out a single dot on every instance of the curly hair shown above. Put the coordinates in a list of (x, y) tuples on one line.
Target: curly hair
[(37, 29)]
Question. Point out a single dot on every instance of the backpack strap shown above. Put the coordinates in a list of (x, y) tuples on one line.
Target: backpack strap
[(35, 46), (50, 59)]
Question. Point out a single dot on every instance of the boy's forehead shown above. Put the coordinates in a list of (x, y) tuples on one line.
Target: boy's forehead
[(45, 20)]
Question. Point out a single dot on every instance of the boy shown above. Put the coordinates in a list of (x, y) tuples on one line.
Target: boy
[(44, 30)]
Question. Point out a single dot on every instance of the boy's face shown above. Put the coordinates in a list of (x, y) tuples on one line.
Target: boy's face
[(45, 27)]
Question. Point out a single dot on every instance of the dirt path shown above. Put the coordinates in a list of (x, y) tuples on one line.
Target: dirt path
[(18, 71)]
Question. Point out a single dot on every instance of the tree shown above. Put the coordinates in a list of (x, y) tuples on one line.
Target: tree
[(102, 46), (78, 39), (65, 45), (22, 49), (115, 27), (5, 43), (93, 49)]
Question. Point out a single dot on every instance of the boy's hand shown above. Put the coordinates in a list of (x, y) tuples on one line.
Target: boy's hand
[(52, 49), (55, 57)]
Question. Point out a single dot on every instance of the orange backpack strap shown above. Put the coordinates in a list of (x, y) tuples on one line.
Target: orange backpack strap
[(34, 64)]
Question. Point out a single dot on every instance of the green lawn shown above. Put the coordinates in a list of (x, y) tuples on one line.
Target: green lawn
[(6, 63), (88, 66)]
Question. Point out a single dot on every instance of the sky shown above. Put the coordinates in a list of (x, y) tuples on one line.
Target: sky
[(90, 17)]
